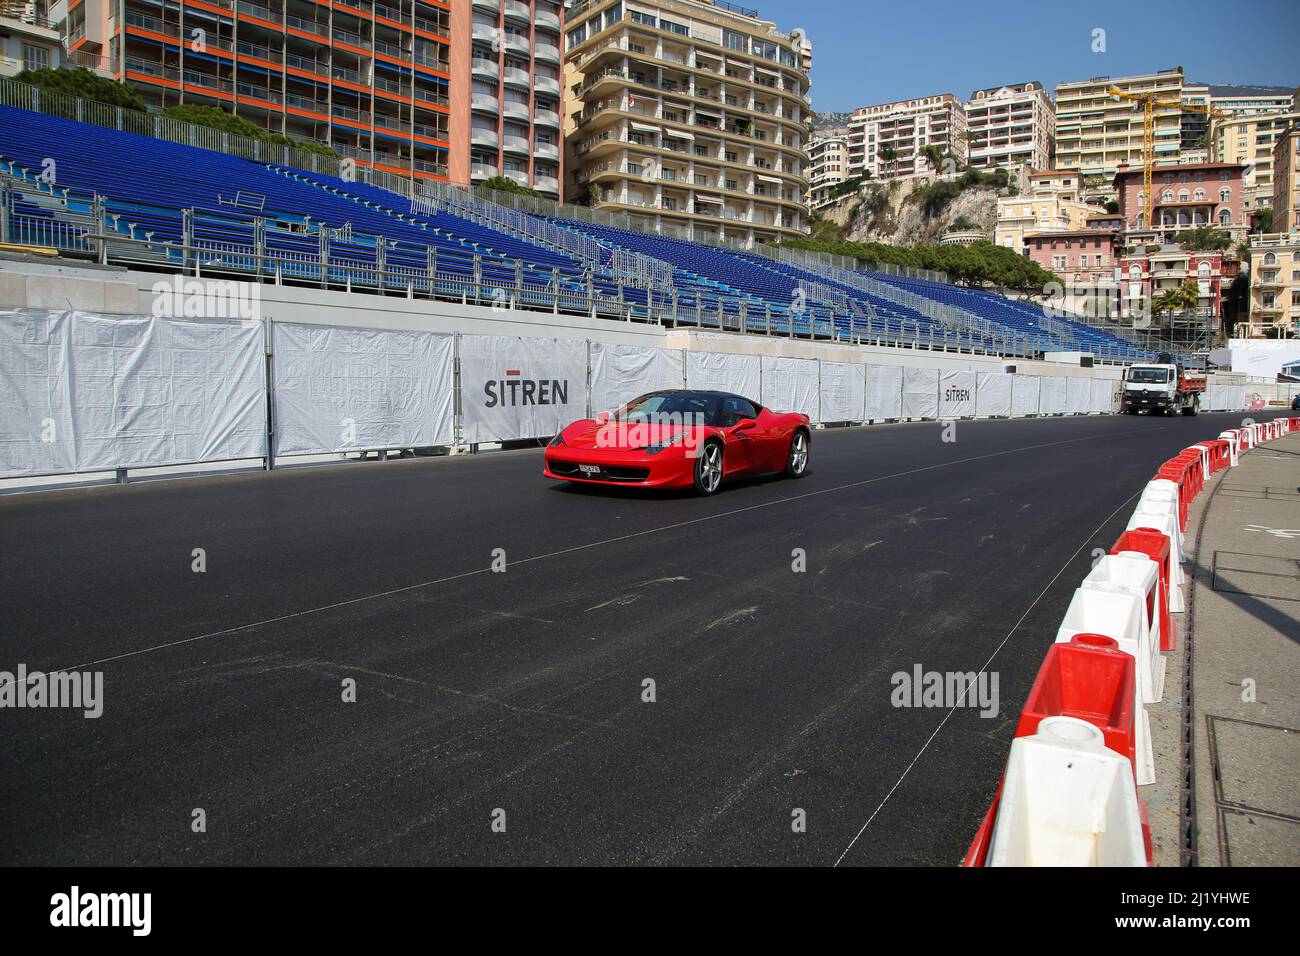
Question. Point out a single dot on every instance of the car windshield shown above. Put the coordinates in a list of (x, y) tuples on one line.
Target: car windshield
[(669, 408), (1148, 376)]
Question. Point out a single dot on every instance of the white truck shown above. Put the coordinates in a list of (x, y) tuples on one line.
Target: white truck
[(1162, 387)]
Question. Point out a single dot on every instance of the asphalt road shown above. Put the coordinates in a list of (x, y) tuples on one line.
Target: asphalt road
[(522, 691)]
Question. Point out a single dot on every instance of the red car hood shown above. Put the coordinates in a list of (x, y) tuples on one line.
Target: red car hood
[(619, 436)]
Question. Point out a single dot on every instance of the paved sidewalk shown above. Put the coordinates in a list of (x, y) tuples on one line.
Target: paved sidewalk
[(1239, 805)]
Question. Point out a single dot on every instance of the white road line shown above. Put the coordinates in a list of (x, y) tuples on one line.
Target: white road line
[(585, 547), (1015, 627)]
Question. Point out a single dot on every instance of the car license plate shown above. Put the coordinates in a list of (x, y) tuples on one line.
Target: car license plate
[(589, 469)]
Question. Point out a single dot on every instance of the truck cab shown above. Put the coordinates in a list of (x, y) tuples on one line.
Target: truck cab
[(1162, 388)]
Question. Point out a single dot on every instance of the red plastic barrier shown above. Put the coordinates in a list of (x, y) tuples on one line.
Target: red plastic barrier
[(1089, 678), (1193, 457), (979, 847), (1146, 831), (1155, 545), (1220, 454), (1295, 424), (1180, 472)]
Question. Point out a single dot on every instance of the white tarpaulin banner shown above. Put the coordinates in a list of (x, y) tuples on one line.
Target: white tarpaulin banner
[(82, 392), (790, 385), (343, 389), (1263, 358), (620, 373), (843, 392), (718, 371), (884, 392), (1103, 396), (520, 387), (920, 392), (1052, 395), (1225, 398), (993, 395), (1025, 395), (1078, 395), (956, 394)]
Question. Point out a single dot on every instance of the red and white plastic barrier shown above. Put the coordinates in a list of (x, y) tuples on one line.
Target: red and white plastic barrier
[(1069, 796)]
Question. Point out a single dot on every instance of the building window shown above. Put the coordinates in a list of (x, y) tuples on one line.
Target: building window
[(35, 57), (1225, 194), (1225, 218)]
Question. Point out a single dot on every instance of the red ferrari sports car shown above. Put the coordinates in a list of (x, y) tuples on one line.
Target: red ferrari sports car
[(681, 438)]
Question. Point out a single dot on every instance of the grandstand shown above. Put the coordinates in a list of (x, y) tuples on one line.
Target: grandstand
[(94, 191)]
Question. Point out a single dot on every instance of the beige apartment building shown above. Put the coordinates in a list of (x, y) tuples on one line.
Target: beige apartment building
[(1097, 132), (828, 161), (1286, 182), (690, 116), (1053, 204), (1010, 127), (887, 141), (1274, 284), (1250, 140)]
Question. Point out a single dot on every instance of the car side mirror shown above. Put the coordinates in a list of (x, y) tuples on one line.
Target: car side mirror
[(744, 424)]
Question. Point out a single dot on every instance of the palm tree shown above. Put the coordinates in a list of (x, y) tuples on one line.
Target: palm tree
[(890, 156), (934, 156), (1169, 301)]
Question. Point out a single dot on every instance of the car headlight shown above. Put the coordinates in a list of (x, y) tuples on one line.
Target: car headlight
[(557, 441), (660, 446)]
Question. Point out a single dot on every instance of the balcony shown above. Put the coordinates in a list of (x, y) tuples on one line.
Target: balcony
[(518, 11), (518, 77), (546, 184), (518, 175), (547, 151), (485, 69), (486, 138), (547, 52), (515, 111), (483, 171), (517, 144), (482, 33), (516, 43), (546, 20), (488, 6), (485, 103), (547, 118), (546, 84)]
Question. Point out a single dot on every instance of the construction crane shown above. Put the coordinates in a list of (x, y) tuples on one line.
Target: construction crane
[(1150, 102)]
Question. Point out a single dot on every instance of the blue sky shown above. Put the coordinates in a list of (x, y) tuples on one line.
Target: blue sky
[(875, 51)]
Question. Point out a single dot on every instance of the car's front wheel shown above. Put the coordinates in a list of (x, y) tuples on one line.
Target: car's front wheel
[(796, 463), (708, 468)]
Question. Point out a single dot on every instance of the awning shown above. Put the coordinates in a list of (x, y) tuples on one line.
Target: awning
[(644, 127), (678, 133), (699, 198), (771, 179)]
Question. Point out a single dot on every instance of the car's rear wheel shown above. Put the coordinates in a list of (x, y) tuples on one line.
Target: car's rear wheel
[(796, 463), (708, 468)]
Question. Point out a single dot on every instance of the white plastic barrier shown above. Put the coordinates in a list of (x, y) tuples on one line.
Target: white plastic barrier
[(1053, 395), (1067, 801), (1118, 613), (620, 373), (515, 387), (920, 392), (1078, 396), (81, 392), (993, 395), (843, 395), (1026, 395), (1161, 495), (956, 394), (740, 374), (1140, 576), (790, 385), (884, 389)]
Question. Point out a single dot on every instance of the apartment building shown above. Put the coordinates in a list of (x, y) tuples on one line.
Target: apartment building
[(1250, 139), (690, 116), (29, 37), (1143, 276), (1097, 132), (511, 103), (1010, 127), (1274, 284), (887, 141), (1054, 203), (1186, 196), (1085, 261), (1286, 181), (828, 165)]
